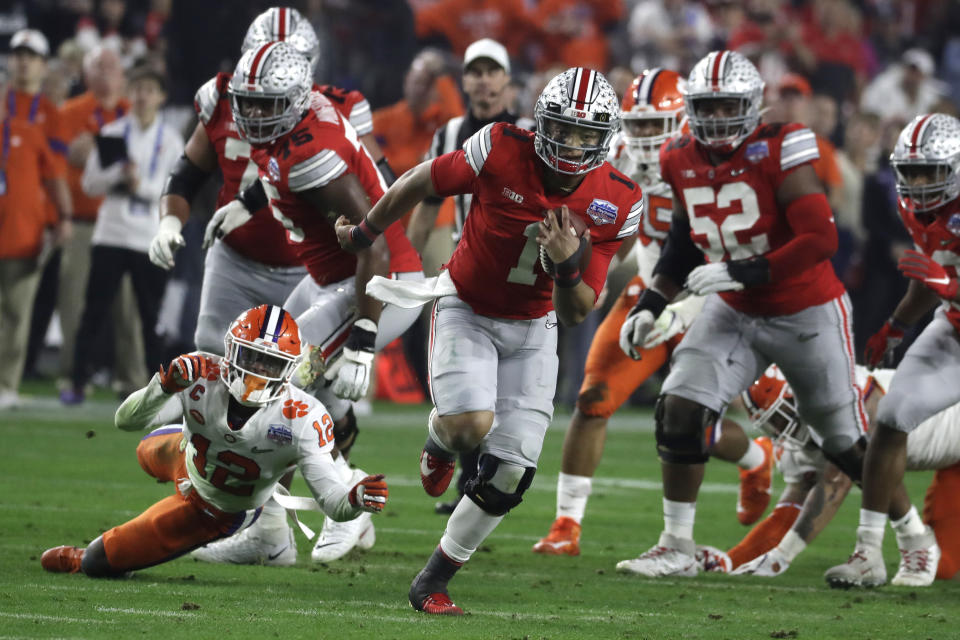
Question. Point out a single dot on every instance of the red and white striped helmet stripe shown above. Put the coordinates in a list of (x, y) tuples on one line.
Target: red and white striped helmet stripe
[(716, 68), (645, 88), (582, 91), (259, 60), (283, 23), (916, 138)]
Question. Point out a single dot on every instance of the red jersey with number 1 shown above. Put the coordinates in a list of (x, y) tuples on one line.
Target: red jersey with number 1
[(734, 213), (320, 149), (496, 266), (938, 236)]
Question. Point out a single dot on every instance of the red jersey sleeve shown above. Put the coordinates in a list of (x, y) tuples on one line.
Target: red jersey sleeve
[(451, 174)]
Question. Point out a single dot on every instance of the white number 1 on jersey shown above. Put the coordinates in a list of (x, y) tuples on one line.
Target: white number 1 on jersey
[(523, 273)]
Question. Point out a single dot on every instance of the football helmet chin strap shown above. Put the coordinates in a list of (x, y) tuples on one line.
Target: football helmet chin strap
[(350, 373)]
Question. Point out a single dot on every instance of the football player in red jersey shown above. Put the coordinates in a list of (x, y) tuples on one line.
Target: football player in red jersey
[(493, 355), (926, 160), (243, 427), (747, 200)]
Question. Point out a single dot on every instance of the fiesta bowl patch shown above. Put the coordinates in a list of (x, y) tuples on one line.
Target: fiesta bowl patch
[(602, 212)]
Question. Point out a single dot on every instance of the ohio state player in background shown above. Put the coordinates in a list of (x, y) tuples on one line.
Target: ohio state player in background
[(926, 160), (493, 357), (747, 199), (653, 113), (243, 426)]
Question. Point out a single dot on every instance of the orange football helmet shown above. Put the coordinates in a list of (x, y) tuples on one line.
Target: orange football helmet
[(773, 409), (262, 350), (655, 96)]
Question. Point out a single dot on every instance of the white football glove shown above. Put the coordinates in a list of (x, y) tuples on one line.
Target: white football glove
[(225, 220), (634, 332), (711, 278), (674, 320), (166, 242), (350, 373), (769, 565)]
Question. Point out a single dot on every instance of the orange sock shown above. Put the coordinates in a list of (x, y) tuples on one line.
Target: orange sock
[(765, 535), (941, 510)]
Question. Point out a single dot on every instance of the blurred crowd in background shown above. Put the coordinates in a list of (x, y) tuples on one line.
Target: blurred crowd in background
[(855, 72)]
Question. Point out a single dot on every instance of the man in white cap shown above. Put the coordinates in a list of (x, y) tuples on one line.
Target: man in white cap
[(28, 69), (486, 82), (905, 90)]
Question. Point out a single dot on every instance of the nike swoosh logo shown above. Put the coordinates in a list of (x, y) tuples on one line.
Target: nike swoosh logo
[(557, 545), (425, 469), (256, 450), (274, 556), (805, 337), (943, 280)]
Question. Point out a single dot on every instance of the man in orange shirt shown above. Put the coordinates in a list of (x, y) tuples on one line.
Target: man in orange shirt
[(82, 117), (27, 166)]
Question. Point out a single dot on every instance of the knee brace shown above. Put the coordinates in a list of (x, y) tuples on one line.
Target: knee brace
[(680, 436), (850, 461), (345, 431), (499, 485), (95, 563)]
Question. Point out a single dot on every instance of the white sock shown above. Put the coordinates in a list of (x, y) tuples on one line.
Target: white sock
[(678, 518), (572, 494), (791, 545), (870, 531), (273, 516), (468, 526), (753, 458), (908, 525)]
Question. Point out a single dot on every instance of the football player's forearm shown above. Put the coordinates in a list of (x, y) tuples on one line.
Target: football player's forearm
[(371, 263), (916, 302), (409, 190), (328, 490), (421, 223), (816, 238), (572, 304), (822, 503), (141, 408)]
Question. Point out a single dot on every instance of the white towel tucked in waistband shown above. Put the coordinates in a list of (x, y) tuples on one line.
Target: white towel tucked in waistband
[(410, 294)]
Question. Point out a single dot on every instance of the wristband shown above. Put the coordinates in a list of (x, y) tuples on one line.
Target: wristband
[(364, 234), (651, 301), (896, 324), (751, 271)]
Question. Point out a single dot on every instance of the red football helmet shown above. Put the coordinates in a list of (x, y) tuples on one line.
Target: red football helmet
[(655, 96), (262, 350), (773, 409)]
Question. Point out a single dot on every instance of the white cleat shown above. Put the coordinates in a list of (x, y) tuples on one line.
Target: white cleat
[(769, 565), (864, 568), (338, 538), (274, 547), (713, 560), (919, 557), (671, 556)]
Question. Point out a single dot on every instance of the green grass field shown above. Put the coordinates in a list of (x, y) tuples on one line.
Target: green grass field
[(69, 475)]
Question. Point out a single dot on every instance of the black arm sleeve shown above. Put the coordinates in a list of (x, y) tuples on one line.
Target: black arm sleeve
[(185, 179), (680, 255), (386, 171), (253, 197)]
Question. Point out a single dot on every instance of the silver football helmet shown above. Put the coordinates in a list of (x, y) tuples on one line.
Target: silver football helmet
[(926, 160), (723, 75), (283, 24), (269, 91), (577, 116)]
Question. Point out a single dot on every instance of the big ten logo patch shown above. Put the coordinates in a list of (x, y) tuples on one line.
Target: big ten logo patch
[(295, 409)]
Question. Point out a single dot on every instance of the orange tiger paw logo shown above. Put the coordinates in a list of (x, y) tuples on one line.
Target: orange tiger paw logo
[(295, 409)]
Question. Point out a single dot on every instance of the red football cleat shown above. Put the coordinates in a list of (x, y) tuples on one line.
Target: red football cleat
[(438, 604), (63, 559), (435, 473), (755, 486), (563, 539)]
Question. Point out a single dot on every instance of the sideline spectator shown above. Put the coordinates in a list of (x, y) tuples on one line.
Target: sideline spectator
[(26, 163), (904, 90), (127, 221), (83, 116)]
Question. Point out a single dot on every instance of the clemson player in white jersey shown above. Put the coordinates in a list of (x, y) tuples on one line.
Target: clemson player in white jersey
[(244, 427), (815, 488)]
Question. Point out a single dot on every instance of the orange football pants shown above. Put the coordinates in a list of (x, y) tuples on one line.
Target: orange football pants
[(610, 375), (175, 525), (941, 510)]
